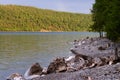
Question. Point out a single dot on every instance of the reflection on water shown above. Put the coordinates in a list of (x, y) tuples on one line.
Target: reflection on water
[(18, 50)]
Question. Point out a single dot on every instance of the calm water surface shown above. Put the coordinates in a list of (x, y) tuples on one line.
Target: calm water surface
[(18, 50)]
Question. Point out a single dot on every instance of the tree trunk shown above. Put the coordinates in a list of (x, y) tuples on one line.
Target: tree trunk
[(101, 34)]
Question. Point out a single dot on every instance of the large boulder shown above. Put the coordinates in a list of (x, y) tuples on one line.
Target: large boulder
[(35, 69), (58, 65)]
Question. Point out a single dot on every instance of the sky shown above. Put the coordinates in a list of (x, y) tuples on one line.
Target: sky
[(75, 6)]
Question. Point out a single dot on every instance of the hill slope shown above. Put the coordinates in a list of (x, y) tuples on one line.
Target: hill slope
[(23, 18)]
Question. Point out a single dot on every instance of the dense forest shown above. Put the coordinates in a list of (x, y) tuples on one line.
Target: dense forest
[(106, 17), (24, 18)]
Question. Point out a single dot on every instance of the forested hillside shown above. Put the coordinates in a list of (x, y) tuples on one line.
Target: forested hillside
[(23, 18)]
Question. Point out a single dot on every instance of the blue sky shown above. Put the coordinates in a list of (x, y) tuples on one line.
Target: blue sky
[(76, 6)]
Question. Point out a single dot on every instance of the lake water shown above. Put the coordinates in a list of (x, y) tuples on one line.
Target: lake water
[(19, 50)]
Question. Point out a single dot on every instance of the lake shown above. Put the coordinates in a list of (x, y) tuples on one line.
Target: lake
[(19, 50)]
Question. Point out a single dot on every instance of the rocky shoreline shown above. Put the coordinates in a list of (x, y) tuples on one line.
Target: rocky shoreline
[(107, 72), (93, 59), (105, 63)]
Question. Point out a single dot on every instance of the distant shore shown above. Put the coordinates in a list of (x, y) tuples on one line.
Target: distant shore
[(27, 18)]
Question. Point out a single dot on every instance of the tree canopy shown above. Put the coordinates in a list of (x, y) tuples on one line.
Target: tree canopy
[(106, 17)]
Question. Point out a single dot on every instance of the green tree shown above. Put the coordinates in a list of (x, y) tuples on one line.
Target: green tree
[(112, 26), (106, 17), (98, 16)]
